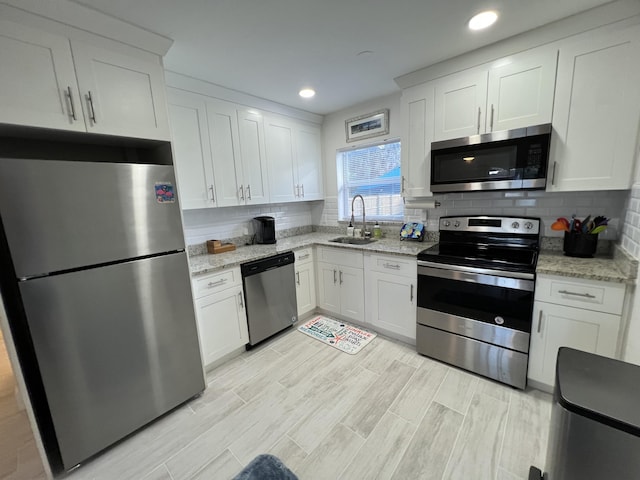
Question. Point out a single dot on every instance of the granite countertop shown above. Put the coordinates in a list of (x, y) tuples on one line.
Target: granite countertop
[(207, 263), (618, 267)]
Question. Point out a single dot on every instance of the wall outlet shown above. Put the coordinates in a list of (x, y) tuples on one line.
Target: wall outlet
[(245, 231)]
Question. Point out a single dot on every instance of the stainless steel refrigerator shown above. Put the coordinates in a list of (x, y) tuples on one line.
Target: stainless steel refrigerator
[(97, 290)]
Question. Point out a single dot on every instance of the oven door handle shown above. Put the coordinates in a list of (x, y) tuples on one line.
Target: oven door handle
[(481, 278), (482, 271)]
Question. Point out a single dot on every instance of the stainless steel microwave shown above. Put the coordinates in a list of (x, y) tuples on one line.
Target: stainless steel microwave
[(508, 160)]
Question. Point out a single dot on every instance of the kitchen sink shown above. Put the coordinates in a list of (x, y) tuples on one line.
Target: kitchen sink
[(353, 240)]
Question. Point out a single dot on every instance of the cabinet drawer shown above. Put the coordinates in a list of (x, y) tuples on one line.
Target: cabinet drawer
[(216, 282), (304, 255), (340, 256), (586, 294), (395, 264)]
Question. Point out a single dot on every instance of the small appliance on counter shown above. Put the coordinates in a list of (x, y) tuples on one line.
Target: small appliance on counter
[(412, 231), (264, 229)]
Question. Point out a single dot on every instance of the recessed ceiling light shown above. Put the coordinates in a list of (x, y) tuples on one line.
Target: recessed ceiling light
[(483, 20), (307, 92)]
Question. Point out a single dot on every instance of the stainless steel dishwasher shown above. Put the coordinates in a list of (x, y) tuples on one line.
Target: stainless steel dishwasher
[(270, 295)]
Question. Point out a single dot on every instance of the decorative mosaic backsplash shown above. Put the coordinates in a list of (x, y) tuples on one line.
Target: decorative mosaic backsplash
[(630, 238)]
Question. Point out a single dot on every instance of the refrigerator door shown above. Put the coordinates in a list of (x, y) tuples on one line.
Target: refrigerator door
[(117, 346), (61, 215)]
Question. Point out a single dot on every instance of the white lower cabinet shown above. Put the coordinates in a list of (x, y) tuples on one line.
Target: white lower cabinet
[(569, 312), (305, 281), (221, 314), (340, 282), (390, 290)]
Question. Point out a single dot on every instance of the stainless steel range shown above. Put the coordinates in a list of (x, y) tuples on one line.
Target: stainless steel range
[(475, 295)]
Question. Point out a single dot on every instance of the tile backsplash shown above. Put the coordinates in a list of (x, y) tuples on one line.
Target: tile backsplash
[(630, 237), (535, 203)]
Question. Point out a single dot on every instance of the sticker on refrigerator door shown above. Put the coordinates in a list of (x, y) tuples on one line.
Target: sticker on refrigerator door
[(165, 192)]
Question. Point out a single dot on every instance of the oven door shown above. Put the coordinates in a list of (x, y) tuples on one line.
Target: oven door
[(487, 305)]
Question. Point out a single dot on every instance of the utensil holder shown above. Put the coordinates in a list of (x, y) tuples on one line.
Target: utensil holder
[(580, 244)]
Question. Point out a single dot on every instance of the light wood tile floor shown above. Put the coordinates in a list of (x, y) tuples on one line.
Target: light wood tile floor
[(384, 413)]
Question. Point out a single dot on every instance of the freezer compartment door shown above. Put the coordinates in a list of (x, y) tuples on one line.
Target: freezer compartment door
[(60, 215), (117, 346)]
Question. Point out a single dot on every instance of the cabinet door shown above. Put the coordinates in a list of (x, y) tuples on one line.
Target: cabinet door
[(283, 185), (556, 326), (222, 324), (121, 95), (596, 113), (192, 152), (37, 81), (521, 91), (328, 287), (225, 148), (309, 162), (254, 161), (351, 292), (417, 128), (460, 102), (392, 302), (305, 288)]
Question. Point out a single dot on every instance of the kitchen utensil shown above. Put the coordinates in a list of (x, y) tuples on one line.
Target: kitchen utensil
[(561, 226), (585, 224), (598, 229), (577, 226)]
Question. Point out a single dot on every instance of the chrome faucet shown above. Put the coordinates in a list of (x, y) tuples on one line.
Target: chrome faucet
[(364, 224)]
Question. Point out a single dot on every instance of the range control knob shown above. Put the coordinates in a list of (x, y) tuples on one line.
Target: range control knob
[(446, 223), (456, 224), (515, 225), (528, 225)]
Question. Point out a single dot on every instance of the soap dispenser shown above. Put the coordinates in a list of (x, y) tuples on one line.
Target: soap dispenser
[(350, 230), (377, 233)]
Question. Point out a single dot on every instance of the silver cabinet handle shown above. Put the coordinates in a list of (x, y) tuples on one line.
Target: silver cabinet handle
[(241, 192), (340, 277), (411, 296), (334, 276), (392, 266), (304, 257), (479, 119), (241, 300), (553, 175), (298, 278), (248, 192), (491, 122), (402, 185), (213, 197), (540, 321), (217, 283), (71, 104), (92, 110), (302, 189), (585, 295), (297, 187)]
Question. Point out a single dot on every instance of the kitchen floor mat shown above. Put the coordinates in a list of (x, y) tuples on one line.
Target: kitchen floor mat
[(338, 334)]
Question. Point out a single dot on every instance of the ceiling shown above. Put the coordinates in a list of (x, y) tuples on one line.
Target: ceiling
[(272, 48)]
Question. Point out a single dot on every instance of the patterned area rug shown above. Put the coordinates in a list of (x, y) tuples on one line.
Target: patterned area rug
[(340, 335)]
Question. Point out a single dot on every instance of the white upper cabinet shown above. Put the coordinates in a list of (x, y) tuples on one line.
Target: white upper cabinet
[(596, 112), (514, 92), (417, 131), (521, 91), (252, 157), (38, 85), (460, 102), (294, 159), (225, 152), (121, 95), (190, 140), (46, 81)]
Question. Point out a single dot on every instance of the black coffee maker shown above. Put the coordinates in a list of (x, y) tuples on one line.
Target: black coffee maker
[(264, 229)]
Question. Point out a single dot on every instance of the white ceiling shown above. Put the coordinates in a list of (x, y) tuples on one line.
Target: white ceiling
[(272, 48)]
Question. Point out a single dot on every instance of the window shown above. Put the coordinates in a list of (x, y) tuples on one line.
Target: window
[(372, 171)]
